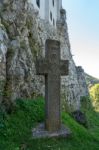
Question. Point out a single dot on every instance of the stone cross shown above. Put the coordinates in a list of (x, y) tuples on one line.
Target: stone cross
[(52, 68)]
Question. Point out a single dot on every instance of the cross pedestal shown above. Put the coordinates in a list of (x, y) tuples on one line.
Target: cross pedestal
[(52, 68)]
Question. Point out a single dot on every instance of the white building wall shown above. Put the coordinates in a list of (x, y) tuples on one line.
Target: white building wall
[(42, 9), (59, 7), (53, 10), (47, 8)]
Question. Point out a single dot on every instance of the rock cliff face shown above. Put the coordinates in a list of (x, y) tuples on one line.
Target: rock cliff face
[(82, 82), (22, 40)]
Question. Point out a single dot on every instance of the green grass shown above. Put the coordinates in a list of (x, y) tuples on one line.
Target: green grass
[(15, 131)]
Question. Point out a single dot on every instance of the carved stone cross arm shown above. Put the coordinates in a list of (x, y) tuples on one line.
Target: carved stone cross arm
[(42, 66)]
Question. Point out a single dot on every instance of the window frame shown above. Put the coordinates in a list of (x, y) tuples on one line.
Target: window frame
[(53, 3), (38, 3), (51, 16)]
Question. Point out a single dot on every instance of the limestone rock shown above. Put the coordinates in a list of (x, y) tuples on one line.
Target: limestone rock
[(3, 51), (82, 81)]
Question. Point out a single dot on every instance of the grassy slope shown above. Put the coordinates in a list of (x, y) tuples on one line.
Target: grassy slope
[(15, 132)]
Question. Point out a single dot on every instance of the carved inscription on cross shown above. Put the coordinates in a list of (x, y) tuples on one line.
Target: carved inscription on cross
[(52, 68)]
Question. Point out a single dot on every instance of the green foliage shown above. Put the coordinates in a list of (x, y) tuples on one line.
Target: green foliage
[(17, 131), (86, 103), (2, 117), (94, 92)]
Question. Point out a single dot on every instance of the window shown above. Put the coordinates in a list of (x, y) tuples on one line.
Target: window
[(38, 3), (53, 2), (53, 22), (51, 15)]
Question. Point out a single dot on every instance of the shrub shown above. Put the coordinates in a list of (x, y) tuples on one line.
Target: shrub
[(86, 103), (2, 116), (94, 92)]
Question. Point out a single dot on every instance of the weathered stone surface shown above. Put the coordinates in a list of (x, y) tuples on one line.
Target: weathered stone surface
[(52, 67), (20, 67), (82, 81), (40, 132), (27, 34), (3, 51)]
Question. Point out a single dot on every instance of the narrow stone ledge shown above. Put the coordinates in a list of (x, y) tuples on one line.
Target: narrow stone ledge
[(40, 132)]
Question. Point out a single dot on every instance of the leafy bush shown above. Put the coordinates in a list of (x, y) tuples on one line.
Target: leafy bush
[(27, 105), (94, 92), (2, 117), (86, 103)]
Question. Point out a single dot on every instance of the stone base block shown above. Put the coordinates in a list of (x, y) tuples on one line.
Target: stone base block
[(40, 132)]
